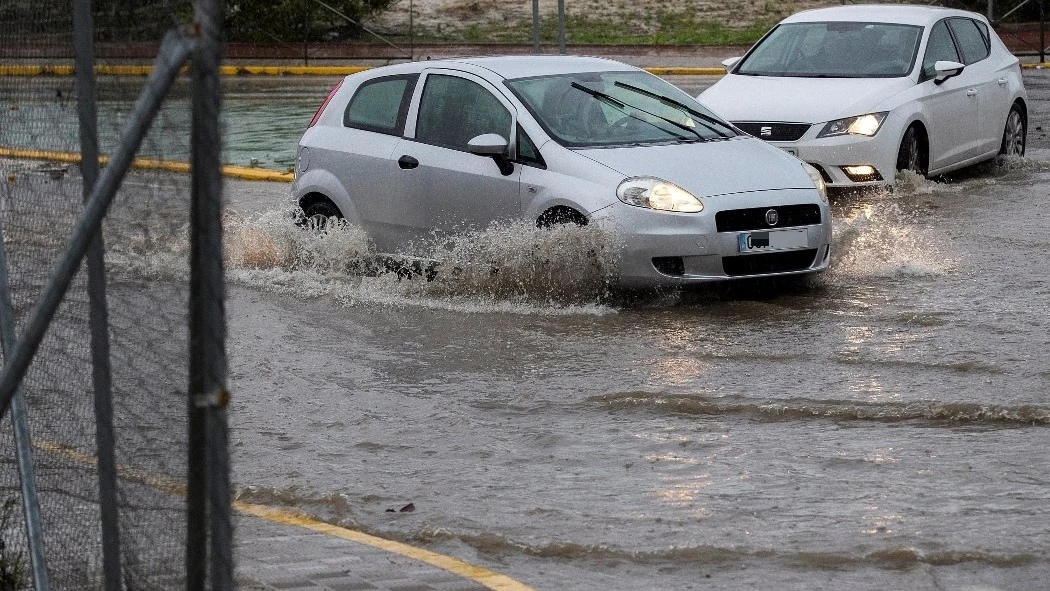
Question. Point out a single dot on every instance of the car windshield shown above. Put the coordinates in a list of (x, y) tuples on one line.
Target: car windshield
[(835, 50), (599, 109)]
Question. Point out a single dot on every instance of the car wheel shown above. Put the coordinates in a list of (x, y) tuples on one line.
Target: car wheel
[(317, 213), (1013, 134), (911, 155)]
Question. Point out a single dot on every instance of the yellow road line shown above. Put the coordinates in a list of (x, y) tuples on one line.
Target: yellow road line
[(482, 576), (241, 172)]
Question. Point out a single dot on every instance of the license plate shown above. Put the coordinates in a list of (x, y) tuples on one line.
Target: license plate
[(792, 151), (773, 240)]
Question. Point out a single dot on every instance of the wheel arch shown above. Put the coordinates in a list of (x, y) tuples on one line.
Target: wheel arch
[(320, 184), (924, 139), (561, 214)]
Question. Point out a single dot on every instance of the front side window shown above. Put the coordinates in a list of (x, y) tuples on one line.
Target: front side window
[(834, 49), (940, 47), (381, 105), (972, 42), (594, 109), (455, 110)]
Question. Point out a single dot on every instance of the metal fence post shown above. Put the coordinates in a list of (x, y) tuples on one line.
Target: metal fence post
[(561, 27), (536, 26), (23, 444), (84, 48), (208, 391)]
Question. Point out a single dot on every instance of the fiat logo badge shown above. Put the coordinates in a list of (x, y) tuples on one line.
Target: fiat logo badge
[(772, 217)]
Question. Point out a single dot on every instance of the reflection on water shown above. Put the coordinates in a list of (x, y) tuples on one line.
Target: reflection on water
[(261, 124)]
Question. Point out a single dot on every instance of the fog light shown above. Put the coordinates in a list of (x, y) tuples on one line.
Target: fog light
[(673, 266), (862, 173)]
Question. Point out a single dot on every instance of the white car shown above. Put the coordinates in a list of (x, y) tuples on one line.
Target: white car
[(415, 152), (861, 92)]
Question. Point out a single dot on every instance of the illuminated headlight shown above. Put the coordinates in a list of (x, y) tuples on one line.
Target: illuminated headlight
[(818, 181), (867, 125), (657, 194)]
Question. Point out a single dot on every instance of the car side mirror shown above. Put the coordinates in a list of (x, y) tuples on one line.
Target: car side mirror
[(494, 146), (944, 70), (730, 62)]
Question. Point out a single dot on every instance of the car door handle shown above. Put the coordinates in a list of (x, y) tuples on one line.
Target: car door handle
[(1002, 82), (971, 92), (406, 162)]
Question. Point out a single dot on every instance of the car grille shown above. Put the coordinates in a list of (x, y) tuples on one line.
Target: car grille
[(738, 220), (775, 132), (772, 262)]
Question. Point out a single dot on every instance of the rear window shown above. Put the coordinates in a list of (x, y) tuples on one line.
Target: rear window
[(381, 105)]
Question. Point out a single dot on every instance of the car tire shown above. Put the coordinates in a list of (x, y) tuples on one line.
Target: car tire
[(912, 153), (317, 213), (1014, 134)]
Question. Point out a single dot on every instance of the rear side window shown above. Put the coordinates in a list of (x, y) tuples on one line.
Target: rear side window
[(381, 105), (972, 42)]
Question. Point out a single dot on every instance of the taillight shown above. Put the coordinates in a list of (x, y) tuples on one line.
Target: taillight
[(320, 109)]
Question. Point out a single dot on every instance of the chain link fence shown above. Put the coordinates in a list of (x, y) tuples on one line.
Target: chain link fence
[(326, 32), (113, 430)]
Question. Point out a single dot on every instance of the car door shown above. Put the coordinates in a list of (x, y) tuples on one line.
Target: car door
[(443, 188), (358, 153), (950, 106), (993, 99)]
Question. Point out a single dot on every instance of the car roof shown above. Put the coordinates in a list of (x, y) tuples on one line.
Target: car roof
[(881, 13), (513, 66)]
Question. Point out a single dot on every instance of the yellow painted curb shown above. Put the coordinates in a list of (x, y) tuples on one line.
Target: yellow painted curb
[(117, 70), (290, 70), (1042, 66), (661, 71), (482, 576), (240, 172)]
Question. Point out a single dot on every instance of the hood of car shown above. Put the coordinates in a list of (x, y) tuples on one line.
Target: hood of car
[(706, 169), (799, 100)]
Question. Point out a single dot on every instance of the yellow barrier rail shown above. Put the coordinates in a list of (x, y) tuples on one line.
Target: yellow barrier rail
[(241, 172)]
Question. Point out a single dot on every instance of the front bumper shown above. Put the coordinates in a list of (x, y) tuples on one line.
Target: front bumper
[(832, 155), (660, 248)]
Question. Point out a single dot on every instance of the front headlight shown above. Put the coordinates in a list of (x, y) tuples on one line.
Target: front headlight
[(867, 125), (657, 194), (818, 181)]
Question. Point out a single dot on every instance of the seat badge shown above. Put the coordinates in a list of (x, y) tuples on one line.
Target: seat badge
[(765, 131)]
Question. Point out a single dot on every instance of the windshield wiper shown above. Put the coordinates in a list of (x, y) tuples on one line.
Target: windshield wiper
[(673, 103), (622, 107)]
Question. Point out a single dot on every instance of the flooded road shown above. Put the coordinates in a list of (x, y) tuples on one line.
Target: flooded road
[(883, 426)]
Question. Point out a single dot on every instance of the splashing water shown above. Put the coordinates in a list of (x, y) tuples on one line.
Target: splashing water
[(518, 261), (507, 267), (882, 239)]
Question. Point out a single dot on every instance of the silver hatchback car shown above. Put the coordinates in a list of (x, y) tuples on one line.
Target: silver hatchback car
[(414, 152)]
